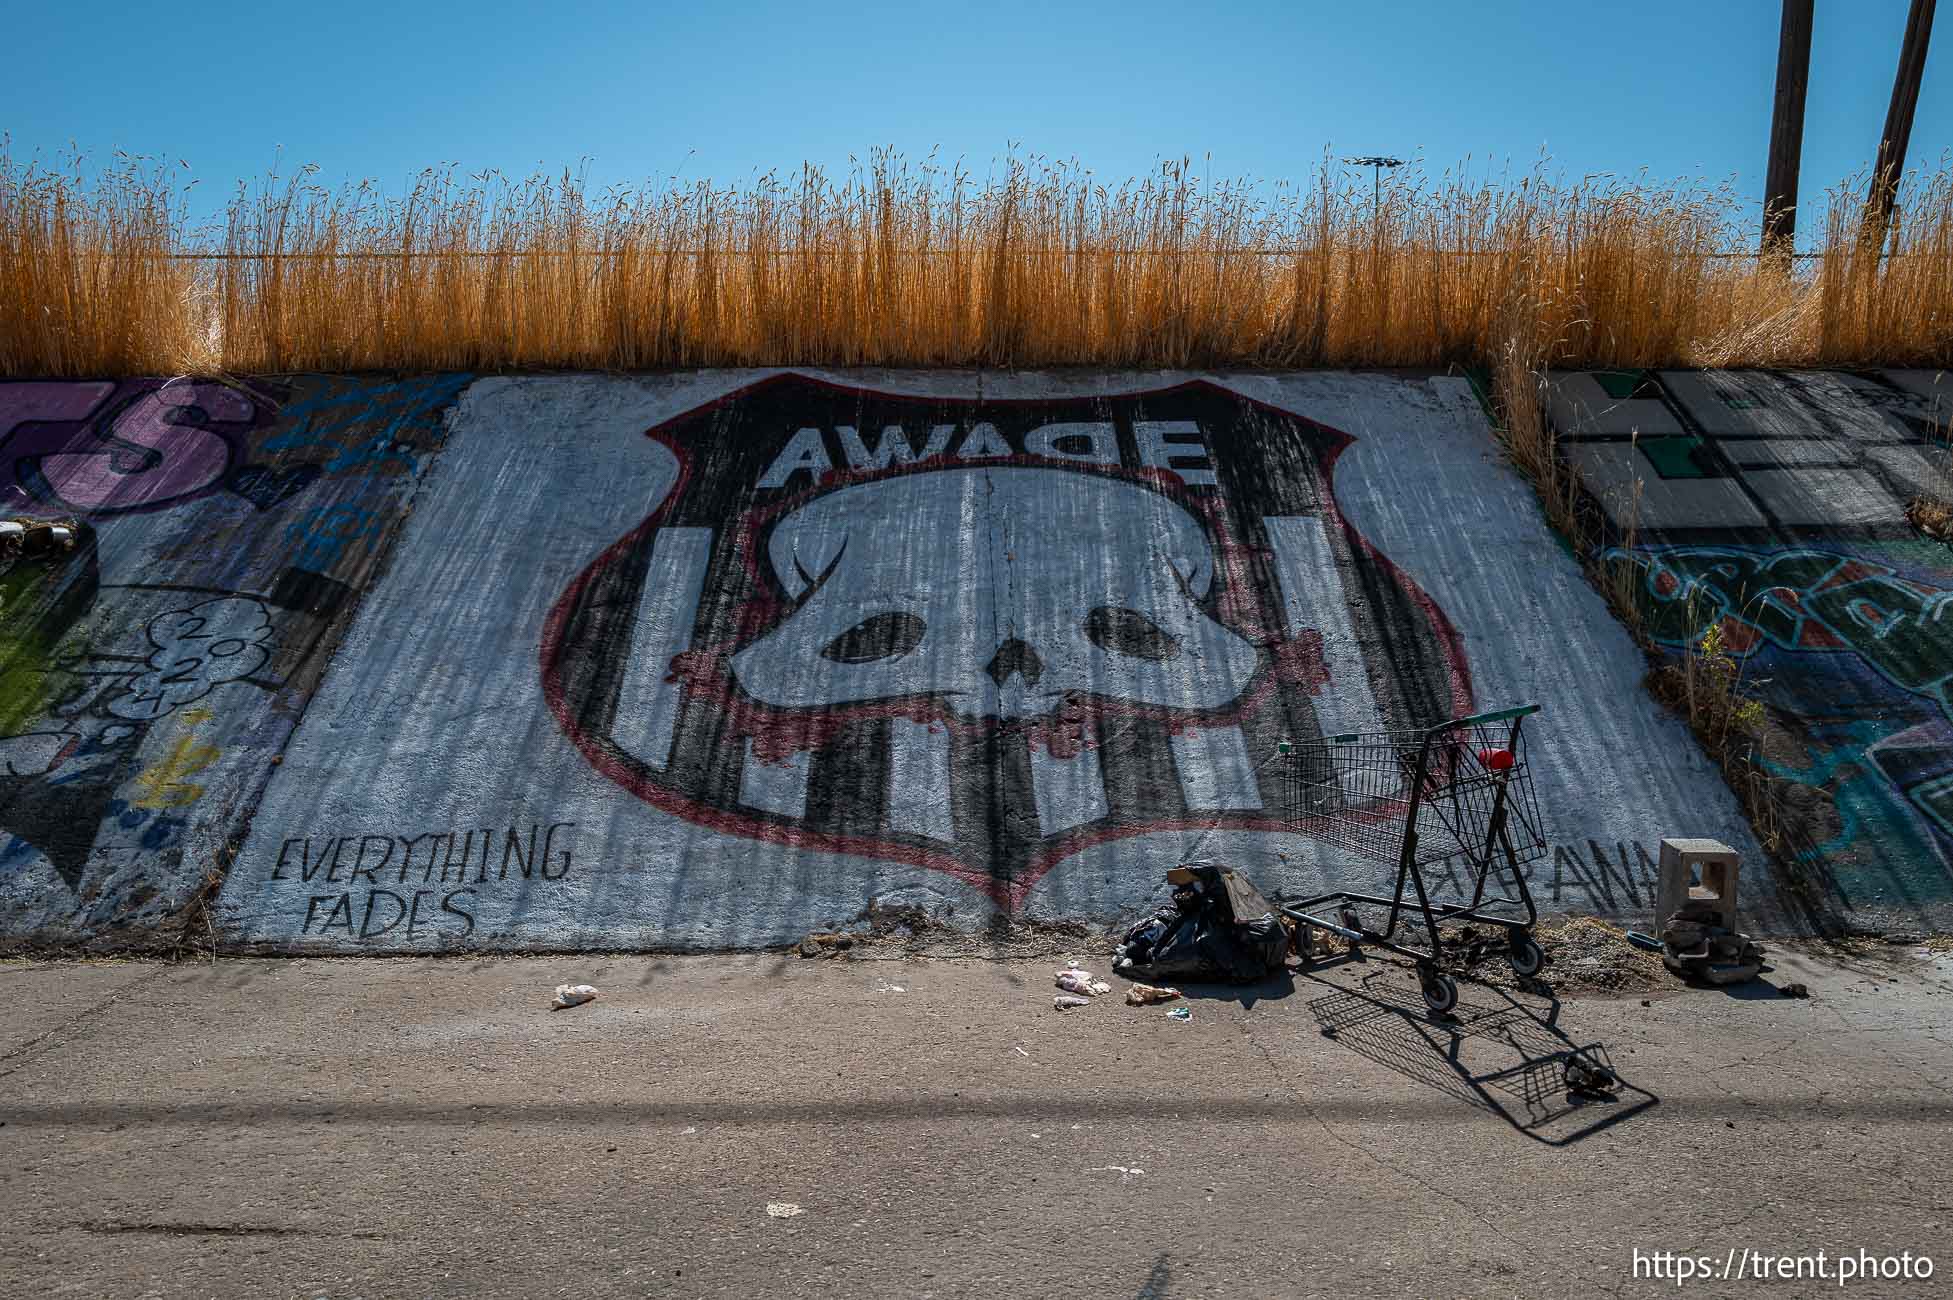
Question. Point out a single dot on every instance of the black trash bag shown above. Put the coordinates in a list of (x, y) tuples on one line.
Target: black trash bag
[(1219, 928), (1143, 938)]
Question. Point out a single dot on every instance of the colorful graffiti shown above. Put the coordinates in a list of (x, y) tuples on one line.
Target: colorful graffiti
[(1773, 506), (149, 676), (1817, 602), (103, 449)]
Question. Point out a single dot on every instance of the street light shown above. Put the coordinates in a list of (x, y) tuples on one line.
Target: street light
[(1376, 163)]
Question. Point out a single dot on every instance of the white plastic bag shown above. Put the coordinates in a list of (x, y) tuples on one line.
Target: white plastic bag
[(572, 995)]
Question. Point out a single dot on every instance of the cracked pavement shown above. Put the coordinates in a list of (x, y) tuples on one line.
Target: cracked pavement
[(425, 1127)]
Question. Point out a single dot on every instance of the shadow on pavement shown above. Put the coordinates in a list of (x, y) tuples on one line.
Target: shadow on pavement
[(1494, 1051), (1244, 995)]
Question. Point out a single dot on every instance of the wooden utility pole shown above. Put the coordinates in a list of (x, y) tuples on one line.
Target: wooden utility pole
[(1898, 119), (1787, 127)]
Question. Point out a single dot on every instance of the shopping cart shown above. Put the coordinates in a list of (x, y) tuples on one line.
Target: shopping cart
[(1460, 795)]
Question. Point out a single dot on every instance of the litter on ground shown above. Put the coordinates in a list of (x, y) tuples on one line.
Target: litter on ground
[(572, 995), (1076, 979)]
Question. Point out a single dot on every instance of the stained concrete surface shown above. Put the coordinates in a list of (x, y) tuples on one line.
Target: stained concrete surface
[(704, 660), (536, 673), (425, 1127)]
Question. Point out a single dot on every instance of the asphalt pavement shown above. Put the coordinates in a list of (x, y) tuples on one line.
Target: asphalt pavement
[(768, 1125)]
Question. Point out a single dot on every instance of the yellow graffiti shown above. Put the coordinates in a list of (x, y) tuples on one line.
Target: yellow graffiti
[(196, 715), (164, 786)]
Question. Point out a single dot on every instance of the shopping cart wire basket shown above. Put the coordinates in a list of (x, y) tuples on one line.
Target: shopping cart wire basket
[(1459, 794)]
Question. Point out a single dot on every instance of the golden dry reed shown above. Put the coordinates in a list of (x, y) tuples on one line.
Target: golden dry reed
[(902, 264), (85, 288)]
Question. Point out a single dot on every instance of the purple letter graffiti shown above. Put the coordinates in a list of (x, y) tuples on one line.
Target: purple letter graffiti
[(71, 447)]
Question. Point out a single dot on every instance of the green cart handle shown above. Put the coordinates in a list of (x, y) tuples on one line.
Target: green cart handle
[(1503, 715)]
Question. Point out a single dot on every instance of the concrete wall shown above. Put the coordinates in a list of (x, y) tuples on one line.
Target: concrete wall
[(641, 671), (716, 659), (149, 680), (1773, 507)]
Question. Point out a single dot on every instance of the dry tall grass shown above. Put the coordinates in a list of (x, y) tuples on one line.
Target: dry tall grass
[(915, 264), (85, 288)]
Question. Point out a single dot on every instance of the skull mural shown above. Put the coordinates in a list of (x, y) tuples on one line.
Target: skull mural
[(1037, 585), (976, 637)]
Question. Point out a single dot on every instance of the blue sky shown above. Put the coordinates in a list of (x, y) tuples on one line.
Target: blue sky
[(724, 90)]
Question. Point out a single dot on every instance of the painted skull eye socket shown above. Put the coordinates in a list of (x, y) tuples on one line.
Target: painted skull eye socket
[(1130, 633), (880, 636)]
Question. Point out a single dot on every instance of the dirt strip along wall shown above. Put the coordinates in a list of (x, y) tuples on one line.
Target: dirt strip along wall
[(712, 660), (1773, 507)]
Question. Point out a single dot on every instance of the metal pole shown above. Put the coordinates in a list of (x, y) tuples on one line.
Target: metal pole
[(1898, 119), (1787, 127)]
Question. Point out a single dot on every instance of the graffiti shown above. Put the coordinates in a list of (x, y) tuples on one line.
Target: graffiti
[(212, 576), (99, 450), (1817, 601), (980, 637), (1609, 879), (167, 784), (1864, 795), (320, 535), (785, 650), (34, 753), (159, 830), (443, 859), (1772, 506), (144, 445), (197, 649), (382, 429), (1754, 456), (268, 488), (105, 699)]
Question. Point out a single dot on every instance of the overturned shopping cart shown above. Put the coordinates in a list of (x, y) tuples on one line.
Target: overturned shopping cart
[(1454, 801)]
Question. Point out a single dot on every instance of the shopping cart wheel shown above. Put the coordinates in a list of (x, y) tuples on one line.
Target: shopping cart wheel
[(1440, 992), (1349, 918), (1525, 955)]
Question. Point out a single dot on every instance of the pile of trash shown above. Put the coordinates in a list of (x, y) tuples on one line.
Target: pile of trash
[(1078, 986), (1219, 927), (1699, 942)]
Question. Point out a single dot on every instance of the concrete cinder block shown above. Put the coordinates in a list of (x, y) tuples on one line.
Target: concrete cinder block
[(1694, 871)]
